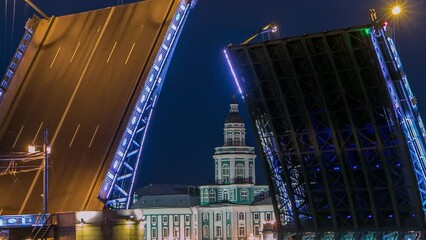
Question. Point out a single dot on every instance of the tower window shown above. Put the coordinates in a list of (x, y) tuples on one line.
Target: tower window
[(206, 195), (212, 197), (239, 173), (244, 194), (225, 173), (225, 195)]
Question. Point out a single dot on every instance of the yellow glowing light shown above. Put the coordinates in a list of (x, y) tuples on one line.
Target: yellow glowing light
[(396, 10), (31, 149)]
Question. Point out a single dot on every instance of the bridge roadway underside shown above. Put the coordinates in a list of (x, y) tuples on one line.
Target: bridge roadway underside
[(79, 78)]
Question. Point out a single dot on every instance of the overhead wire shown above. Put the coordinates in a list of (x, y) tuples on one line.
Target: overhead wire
[(5, 34)]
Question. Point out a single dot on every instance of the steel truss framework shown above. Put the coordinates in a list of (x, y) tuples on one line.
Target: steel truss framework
[(118, 184), (343, 142)]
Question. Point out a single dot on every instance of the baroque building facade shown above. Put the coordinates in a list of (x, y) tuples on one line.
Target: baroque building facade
[(231, 208)]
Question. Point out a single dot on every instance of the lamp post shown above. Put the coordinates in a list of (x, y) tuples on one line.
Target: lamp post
[(46, 152)]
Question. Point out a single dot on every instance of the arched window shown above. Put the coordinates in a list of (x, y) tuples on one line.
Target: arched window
[(237, 141), (225, 173), (225, 196), (212, 197), (205, 231), (241, 216), (206, 195), (239, 173)]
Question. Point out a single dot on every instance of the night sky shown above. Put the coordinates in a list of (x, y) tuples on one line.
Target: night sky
[(194, 102)]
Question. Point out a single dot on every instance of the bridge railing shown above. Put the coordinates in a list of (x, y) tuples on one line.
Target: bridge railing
[(17, 56)]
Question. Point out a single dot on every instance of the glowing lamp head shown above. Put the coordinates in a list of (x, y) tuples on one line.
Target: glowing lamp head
[(31, 149), (396, 10)]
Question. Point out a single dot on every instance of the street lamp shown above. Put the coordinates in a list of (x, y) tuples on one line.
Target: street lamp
[(396, 10), (46, 152)]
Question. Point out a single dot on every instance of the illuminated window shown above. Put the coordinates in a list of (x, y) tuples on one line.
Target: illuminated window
[(225, 173), (241, 216), (212, 197), (154, 219), (205, 231), (187, 232), (176, 232), (165, 232), (241, 231), (218, 217), (239, 172), (244, 194), (256, 230), (256, 217), (218, 231), (154, 232), (176, 218)]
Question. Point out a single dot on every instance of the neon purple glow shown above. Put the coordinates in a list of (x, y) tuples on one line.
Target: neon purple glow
[(233, 73)]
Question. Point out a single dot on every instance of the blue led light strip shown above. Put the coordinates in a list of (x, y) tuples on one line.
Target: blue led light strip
[(406, 112), (118, 183), (17, 57), (270, 150)]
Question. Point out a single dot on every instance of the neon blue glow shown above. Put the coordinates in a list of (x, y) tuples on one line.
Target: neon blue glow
[(233, 73), (270, 150), (141, 115), (406, 113)]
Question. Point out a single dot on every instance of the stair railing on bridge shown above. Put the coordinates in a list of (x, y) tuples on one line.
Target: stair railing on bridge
[(42, 226)]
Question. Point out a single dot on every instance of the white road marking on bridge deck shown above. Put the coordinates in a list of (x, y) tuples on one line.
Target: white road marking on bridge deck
[(54, 59), (110, 54), (75, 134), (55, 135), (93, 137), (17, 137), (78, 45), (38, 131), (130, 53)]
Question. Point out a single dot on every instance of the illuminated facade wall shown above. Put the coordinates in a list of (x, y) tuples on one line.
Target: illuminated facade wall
[(233, 208), (340, 131)]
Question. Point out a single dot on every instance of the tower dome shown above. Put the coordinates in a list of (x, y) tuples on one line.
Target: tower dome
[(234, 161)]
